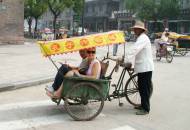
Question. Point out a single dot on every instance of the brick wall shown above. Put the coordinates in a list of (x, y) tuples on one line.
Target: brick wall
[(12, 21)]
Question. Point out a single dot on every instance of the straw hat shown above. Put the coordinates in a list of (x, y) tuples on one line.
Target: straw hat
[(139, 24)]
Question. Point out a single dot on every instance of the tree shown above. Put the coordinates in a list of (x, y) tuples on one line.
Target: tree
[(78, 6), (27, 14), (154, 9), (169, 9), (34, 9), (78, 9), (40, 7), (57, 7)]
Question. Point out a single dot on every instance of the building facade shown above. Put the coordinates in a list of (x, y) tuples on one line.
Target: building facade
[(12, 21), (124, 17), (180, 24), (64, 20), (183, 22), (98, 15), (105, 15)]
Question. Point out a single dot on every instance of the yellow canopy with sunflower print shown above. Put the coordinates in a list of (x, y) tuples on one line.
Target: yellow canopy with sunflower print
[(55, 47)]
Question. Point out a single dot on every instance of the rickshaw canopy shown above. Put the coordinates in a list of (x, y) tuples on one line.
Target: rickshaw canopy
[(174, 35), (67, 45)]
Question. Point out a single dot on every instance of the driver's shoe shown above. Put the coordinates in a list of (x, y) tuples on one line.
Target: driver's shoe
[(142, 112), (138, 107)]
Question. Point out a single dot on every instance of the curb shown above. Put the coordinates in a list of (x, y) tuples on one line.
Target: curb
[(23, 84)]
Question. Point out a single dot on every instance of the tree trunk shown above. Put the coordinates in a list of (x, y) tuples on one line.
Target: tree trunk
[(30, 26), (155, 25), (36, 26), (54, 25)]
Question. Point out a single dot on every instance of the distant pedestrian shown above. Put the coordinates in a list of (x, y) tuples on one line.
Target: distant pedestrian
[(115, 47)]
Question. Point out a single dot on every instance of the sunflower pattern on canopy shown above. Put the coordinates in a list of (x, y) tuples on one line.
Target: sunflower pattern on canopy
[(67, 45)]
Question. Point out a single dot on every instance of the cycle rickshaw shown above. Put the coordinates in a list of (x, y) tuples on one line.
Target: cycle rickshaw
[(180, 43), (84, 98), (165, 50)]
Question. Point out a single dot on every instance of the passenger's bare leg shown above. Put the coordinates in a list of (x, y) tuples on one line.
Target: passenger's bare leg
[(58, 92)]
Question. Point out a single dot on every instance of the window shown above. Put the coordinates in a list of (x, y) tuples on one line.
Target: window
[(2, 6), (93, 9)]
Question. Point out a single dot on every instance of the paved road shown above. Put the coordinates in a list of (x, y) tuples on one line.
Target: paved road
[(30, 109)]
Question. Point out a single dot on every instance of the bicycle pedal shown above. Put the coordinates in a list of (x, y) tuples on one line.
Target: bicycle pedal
[(113, 85), (121, 104)]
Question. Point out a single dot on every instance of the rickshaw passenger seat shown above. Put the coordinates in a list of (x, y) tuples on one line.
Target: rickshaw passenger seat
[(104, 67)]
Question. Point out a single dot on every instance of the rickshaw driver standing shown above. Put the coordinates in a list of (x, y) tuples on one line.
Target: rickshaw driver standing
[(140, 57)]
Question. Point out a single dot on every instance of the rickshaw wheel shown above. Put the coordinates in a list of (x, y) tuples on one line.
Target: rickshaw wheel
[(169, 57), (183, 53), (80, 105), (132, 91), (158, 56)]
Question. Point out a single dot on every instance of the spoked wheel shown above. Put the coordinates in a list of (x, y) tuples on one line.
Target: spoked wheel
[(158, 56), (84, 101), (132, 91), (169, 57), (183, 53), (174, 52)]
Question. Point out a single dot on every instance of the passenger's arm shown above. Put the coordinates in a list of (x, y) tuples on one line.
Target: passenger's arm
[(95, 69)]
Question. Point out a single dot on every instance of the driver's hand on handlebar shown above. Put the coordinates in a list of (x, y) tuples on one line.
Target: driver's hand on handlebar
[(128, 65)]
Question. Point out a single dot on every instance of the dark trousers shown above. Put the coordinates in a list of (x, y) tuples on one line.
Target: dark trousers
[(60, 76), (144, 83)]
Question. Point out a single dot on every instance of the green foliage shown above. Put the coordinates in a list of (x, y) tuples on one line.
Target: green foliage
[(58, 6), (34, 8), (148, 10), (169, 9), (78, 6), (154, 9)]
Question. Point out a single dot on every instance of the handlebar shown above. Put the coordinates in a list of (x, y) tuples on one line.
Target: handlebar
[(120, 62), (114, 59)]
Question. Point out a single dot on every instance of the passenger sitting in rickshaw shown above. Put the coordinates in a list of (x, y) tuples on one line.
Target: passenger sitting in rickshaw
[(162, 42), (93, 71)]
